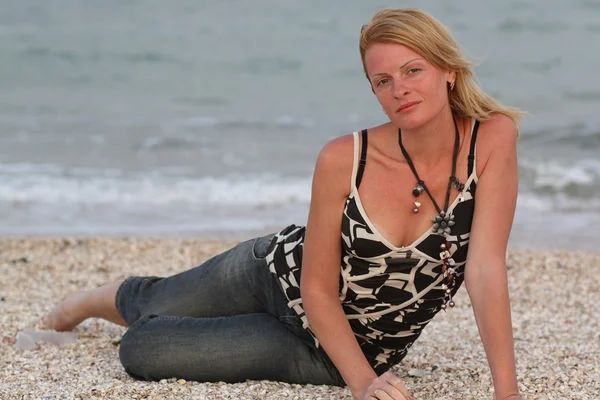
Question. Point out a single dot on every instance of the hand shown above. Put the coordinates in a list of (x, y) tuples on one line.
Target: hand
[(385, 387)]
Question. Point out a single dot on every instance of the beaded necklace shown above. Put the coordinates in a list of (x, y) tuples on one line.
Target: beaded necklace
[(443, 223)]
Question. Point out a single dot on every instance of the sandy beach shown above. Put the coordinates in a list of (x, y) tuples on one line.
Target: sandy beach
[(554, 294)]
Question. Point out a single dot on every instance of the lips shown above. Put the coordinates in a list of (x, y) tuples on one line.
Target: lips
[(405, 106)]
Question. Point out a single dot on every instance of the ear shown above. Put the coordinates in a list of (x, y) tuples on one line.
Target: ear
[(450, 77)]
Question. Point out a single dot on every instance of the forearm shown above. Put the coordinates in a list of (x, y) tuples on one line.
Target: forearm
[(330, 325), (488, 290)]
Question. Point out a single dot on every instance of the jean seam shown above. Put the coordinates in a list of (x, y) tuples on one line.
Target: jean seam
[(340, 382), (333, 367), (119, 290), (252, 246), (156, 316), (271, 237), (295, 322)]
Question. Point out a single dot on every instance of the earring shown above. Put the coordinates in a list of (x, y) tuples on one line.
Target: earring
[(452, 85)]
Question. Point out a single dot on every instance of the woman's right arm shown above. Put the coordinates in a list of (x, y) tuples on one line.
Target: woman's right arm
[(319, 284), (321, 259)]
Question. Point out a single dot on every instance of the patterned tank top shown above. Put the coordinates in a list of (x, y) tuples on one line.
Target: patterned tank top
[(388, 293)]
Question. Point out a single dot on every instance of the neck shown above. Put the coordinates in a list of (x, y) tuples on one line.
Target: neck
[(432, 141)]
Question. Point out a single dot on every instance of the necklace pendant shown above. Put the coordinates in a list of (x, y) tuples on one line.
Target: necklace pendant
[(417, 206), (449, 274), (418, 190), (458, 186), (442, 223)]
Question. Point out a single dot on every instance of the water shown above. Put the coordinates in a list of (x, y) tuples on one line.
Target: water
[(205, 118)]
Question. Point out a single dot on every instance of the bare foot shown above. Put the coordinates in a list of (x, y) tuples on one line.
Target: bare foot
[(69, 313), (81, 305)]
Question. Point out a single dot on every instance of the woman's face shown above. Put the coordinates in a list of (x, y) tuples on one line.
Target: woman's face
[(411, 91)]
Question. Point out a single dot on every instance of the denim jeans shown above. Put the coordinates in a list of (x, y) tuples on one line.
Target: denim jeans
[(225, 320)]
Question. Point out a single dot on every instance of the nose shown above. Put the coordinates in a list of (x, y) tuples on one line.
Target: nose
[(399, 88)]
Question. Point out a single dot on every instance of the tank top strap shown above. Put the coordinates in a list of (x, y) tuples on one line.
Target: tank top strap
[(358, 166), (471, 157)]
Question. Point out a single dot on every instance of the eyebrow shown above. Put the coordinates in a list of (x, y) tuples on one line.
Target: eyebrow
[(402, 66)]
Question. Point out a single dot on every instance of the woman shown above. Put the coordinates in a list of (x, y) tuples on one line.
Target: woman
[(280, 308)]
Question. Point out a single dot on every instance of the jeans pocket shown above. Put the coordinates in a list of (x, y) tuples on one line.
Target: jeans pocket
[(262, 246)]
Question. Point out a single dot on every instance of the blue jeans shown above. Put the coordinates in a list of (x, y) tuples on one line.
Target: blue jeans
[(225, 320)]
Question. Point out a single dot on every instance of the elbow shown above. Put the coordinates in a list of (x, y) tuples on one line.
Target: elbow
[(473, 281), (315, 294), (314, 297), (469, 281), (475, 290), (320, 288), (469, 285), (315, 302), (482, 280)]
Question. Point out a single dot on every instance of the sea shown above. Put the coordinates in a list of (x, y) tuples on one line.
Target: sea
[(204, 118)]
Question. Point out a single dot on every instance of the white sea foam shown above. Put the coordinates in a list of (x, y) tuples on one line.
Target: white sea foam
[(544, 186), (50, 184), (48, 199), (533, 202), (577, 179)]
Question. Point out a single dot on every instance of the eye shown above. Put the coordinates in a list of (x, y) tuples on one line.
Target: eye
[(414, 70), (383, 82)]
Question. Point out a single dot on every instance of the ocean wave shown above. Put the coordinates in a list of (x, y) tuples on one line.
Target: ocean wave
[(513, 25), (590, 5), (548, 185), (544, 64), (560, 202), (173, 143), (26, 184), (264, 65), (589, 95), (594, 28), (257, 123), (54, 122), (585, 133), (198, 100), (91, 56), (554, 185)]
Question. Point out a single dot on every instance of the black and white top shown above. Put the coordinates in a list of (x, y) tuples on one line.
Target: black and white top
[(388, 293)]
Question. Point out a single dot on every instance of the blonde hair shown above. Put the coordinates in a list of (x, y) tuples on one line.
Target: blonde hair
[(425, 35)]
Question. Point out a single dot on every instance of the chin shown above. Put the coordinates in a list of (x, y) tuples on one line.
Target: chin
[(409, 122), (416, 119)]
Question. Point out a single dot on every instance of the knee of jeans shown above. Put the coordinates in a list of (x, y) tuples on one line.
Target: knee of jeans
[(133, 352)]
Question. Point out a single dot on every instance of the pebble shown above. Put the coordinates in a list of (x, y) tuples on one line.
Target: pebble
[(554, 297), (416, 373)]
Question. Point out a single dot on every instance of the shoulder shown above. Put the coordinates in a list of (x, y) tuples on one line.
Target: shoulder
[(337, 154), (498, 129), (496, 137), (333, 168)]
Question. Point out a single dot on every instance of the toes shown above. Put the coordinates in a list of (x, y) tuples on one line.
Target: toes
[(45, 324)]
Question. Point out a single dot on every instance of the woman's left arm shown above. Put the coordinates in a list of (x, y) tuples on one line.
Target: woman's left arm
[(485, 271)]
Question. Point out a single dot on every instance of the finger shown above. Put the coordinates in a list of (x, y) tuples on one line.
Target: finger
[(398, 383), (389, 393), (381, 394)]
